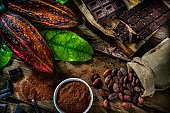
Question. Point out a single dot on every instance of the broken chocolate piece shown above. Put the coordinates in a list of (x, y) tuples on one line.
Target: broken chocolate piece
[(18, 109), (3, 108)]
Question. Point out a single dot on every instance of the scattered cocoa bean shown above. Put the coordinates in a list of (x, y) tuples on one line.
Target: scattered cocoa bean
[(115, 87), (130, 77), (114, 72), (140, 100), (130, 87), (126, 105), (136, 93), (134, 74), (123, 71), (137, 81), (119, 74), (124, 85), (105, 103), (102, 93), (113, 96), (96, 83), (139, 105), (116, 80), (127, 92), (107, 72), (107, 80), (125, 79), (134, 99), (128, 98), (120, 96), (121, 88), (110, 86), (133, 81), (137, 88), (94, 76), (121, 80)]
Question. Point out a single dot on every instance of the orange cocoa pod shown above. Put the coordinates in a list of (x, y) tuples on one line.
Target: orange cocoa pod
[(46, 12), (26, 42)]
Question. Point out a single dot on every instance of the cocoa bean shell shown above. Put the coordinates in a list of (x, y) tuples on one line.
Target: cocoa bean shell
[(107, 72)]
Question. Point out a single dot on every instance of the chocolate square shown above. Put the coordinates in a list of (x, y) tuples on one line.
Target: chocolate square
[(156, 14), (153, 26), (160, 21), (129, 13), (163, 9), (167, 15), (138, 7), (142, 13), (150, 8), (157, 3), (105, 2), (139, 26), (99, 14), (133, 19), (145, 32), (147, 20), (92, 5), (109, 9)]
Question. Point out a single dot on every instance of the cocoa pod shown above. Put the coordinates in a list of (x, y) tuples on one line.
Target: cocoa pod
[(113, 96), (46, 12), (128, 98), (26, 42), (126, 105), (107, 72), (96, 83), (102, 93), (105, 103)]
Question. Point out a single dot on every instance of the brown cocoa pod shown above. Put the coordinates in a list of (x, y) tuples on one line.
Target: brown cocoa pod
[(126, 105), (127, 92), (123, 71), (105, 103), (128, 98), (102, 93), (113, 96), (94, 76), (115, 87), (130, 87), (134, 99), (133, 81), (26, 42), (97, 83), (114, 72), (119, 74), (110, 86), (125, 79), (121, 88), (46, 12), (120, 96), (137, 88), (107, 72), (107, 79), (130, 77), (121, 80), (116, 80), (140, 100), (124, 85)]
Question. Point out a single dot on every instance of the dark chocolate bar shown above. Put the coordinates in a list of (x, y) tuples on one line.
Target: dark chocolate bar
[(147, 16), (102, 9)]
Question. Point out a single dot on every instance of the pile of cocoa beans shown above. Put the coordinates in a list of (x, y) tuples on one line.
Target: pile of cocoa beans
[(121, 84)]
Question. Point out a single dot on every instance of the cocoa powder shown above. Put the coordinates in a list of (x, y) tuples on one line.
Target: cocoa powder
[(73, 97)]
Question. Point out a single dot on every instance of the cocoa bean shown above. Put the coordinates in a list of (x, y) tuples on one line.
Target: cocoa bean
[(115, 88), (128, 98), (107, 79), (130, 87), (116, 80), (94, 76), (127, 92), (120, 96), (125, 79), (113, 96), (114, 72), (134, 99), (124, 85), (119, 74), (140, 100), (102, 93), (105, 103), (121, 88), (137, 88), (107, 72), (130, 77), (121, 80), (134, 74), (110, 86), (126, 105), (136, 93), (137, 81), (133, 81), (123, 71), (139, 105), (96, 83)]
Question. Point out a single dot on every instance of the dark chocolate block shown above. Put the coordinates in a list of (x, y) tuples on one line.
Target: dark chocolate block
[(153, 26), (150, 8), (133, 19), (145, 32), (139, 26), (160, 21), (147, 20), (142, 13), (99, 14), (156, 14), (163, 9)]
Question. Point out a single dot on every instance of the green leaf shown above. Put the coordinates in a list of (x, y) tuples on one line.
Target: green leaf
[(5, 54), (61, 1), (67, 45)]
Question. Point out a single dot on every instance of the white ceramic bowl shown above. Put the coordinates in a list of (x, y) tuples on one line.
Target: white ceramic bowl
[(70, 80)]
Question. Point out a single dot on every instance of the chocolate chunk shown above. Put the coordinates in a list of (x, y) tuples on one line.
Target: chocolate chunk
[(153, 26), (133, 20), (160, 21), (128, 14), (145, 32), (109, 9), (156, 14), (142, 13), (163, 9), (147, 20), (150, 8), (138, 26), (93, 5), (99, 14)]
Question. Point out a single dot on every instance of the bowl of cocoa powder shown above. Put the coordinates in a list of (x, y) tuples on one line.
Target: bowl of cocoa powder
[(73, 95)]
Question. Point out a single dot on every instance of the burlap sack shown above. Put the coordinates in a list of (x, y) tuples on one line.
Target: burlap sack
[(153, 69)]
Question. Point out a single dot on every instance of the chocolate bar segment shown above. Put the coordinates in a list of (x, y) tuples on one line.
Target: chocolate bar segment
[(148, 15), (102, 9)]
